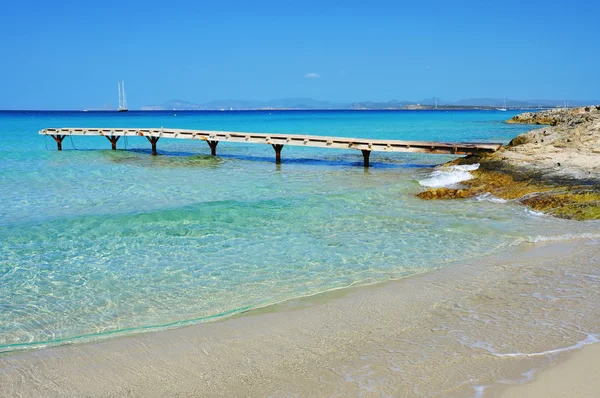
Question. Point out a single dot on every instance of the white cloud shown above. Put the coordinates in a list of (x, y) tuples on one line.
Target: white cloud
[(312, 75), (427, 67)]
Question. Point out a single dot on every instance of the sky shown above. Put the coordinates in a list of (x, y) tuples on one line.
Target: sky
[(70, 54)]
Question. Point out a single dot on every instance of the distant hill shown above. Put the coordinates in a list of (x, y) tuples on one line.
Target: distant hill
[(393, 104), (429, 103), (304, 103), (309, 103), (522, 103), (231, 104)]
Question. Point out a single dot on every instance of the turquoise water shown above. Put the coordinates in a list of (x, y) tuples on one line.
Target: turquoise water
[(95, 242)]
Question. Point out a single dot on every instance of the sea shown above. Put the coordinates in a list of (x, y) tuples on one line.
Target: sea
[(96, 243)]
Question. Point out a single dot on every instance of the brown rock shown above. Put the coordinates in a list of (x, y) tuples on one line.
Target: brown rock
[(445, 193)]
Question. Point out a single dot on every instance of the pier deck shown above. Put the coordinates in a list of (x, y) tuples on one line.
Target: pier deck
[(365, 145)]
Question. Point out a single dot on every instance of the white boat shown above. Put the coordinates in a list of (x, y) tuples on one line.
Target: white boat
[(502, 109), (122, 97)]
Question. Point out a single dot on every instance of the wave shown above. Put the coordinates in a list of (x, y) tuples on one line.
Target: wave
[(535, 213), (157, 327), (488, 197), (589, 339), (555, 238), (449, 176), (86, 337), (562, 237)]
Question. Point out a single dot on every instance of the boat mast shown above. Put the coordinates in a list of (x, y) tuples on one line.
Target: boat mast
[(119, 89), (124, 97)]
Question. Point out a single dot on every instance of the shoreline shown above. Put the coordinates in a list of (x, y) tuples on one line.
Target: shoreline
[(575, 376), (308, 346), (220, 317), (275, 306)]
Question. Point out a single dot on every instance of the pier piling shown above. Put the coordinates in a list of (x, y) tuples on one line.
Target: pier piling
[(113, 141), (278, 148), (213, 147), (153, 141), (366, 155), (59, 139)]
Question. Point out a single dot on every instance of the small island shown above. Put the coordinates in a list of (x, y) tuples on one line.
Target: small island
[(554, 169)]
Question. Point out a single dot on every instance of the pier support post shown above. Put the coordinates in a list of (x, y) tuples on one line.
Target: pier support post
[(153, 141), (59, 139), (278, 148), (213, 147), (366, 155), (113, 141)]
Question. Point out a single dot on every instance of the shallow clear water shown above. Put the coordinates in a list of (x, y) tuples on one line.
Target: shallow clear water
[(96, 242)]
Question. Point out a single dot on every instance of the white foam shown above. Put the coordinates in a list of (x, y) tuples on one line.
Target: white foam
[(554, 238), (449, 176), (526, 377), (590, 339), (466, 167), (488, 197), (479, 390), (535, 213)]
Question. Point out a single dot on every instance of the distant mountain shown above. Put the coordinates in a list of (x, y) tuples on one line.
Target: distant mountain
[(433, 100), (304, 103), (563, 103), (487, 103), (393, 104), (231, 104), (173, 104), (309, 103), (496, 102)]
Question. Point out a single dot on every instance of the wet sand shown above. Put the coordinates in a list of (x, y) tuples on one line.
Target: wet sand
[(578, 376), (462, 330)]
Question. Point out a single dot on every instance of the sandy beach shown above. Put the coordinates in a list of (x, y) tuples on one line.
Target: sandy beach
[(434, 334), (577, 376)]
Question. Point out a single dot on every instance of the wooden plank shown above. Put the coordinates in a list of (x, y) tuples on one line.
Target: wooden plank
[(458, 148)]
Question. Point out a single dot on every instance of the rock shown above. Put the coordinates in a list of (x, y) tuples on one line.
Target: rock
[(519, 140), (578, 204), (555, 117), (445, 193), (526, 169)]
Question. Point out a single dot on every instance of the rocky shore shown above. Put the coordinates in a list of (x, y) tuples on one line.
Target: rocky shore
[(554, 169)]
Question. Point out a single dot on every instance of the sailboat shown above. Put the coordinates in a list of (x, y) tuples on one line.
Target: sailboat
[(502, 109), (122, 97)]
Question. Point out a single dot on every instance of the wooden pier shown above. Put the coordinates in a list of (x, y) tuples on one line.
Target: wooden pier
[(277, 141)]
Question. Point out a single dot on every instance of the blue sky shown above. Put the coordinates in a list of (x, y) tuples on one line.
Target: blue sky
[(59, 55)]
